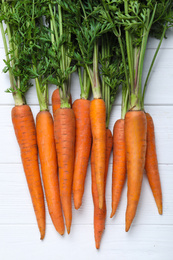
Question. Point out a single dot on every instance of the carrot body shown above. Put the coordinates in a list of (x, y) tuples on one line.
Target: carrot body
[(98, 127), (100, 214), (49, 167), (151, 164), (56, 101), (135, 140), (81, 108), (64, 130), (25, 131), (119, 163)]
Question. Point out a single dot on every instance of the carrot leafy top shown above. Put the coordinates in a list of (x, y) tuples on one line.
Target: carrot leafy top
[(138, 19)]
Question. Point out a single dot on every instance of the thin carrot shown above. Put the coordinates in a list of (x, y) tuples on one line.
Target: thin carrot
[(81, 108), (135, 140), (119, 164), (151, 164), (100, 214), (64, 131), (49, 167), (24, 127), (98, 126), (56, 100)]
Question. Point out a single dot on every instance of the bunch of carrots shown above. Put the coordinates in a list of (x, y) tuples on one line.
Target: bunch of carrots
[(47, 42)]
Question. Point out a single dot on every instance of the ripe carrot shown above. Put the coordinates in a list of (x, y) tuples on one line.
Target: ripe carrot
[(49, 167), (100, 214), (151, 164), (81, 108), (56, 101), (24, 127), (64, 131), (119, 164), (98, 127), (135, 140)]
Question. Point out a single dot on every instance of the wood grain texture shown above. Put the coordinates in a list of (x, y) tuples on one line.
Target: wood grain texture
[(151, 235)]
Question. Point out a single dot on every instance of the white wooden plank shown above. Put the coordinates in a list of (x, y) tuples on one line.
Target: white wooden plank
[(161, 115), (16, 206), (143, 242)]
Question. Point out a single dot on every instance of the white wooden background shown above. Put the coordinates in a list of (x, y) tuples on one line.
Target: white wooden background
[(151, 235)]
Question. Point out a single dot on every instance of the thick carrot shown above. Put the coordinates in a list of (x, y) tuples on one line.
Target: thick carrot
[(135, 140), (98, 127), (25, 131), (151, 164), (81, 108), (56, 101), (64, 130), (119, 164), (100, 214), (49, 167)]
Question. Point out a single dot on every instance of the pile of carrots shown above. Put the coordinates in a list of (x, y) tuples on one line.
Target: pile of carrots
[(78, 130)]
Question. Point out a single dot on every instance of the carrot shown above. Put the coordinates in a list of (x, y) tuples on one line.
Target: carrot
[(135, 140), (151, 164), (24, 127), (119, 164), (81, 108), (64, 131), (98, 127), (56, 100), (49, 167), (100, 214)]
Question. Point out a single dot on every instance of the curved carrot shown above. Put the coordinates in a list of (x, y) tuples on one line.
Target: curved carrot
[(49, 167), (135, 140), (81, 108), (56, 101), (98, 127), (119, 164), (64, 130), (24, 127), (151, 164), (100, 214)]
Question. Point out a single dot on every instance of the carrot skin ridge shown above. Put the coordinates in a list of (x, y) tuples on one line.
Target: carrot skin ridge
[(64, 131), (81, 108), (135, 140), (100, 214), (24, 127), (119, 164), (56, 101), (151, 164), (98, 128), (49, 167)]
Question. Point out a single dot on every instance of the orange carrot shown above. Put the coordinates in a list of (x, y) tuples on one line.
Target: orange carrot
[(100, 214), (98, 127), (24, 127), (119, 164), (49, 167), (135, 140), (64, 130), (151, 164), (81, 108), (56, 101)]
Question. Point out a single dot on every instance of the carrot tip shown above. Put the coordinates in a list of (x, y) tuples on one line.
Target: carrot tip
[(77, 204), (160, 210), (97, 245), (112, 214), (68, 230), (127, 227), (42, 236), (100, 203)]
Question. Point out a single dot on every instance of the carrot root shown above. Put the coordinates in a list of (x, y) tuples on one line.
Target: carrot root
[(64, 131), (119, 164), (135, 140), (151, 164), (49, 167), (24, 126), (98, 128)]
